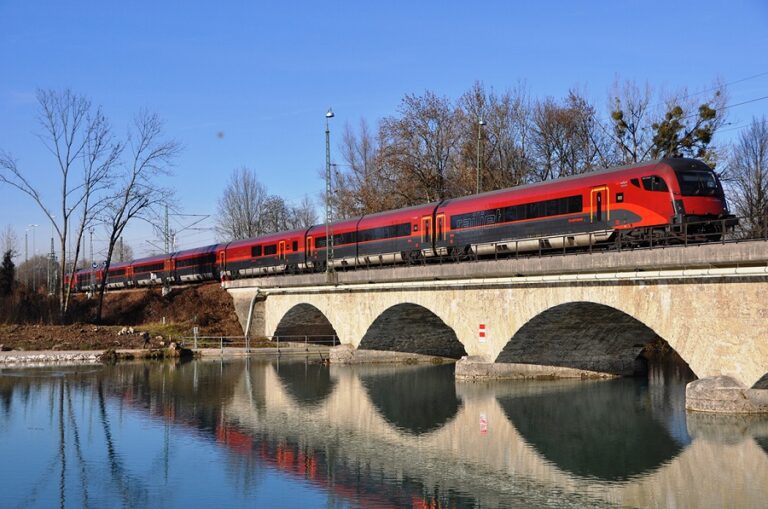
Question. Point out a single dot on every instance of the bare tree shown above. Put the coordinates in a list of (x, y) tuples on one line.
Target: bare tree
[(420, 146), (565, 138), (137, 193), (748, 171), (361, 187), (673, 127), (303, 215), (241, 205), (78, 136), (99, 160), (431, 149), (9, 241), (275, 215), (505, 138), (631, 117)]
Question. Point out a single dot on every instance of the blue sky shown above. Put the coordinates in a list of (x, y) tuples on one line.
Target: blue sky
[(263, 74)]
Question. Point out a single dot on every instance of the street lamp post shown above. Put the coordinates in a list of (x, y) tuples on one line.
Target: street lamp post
[(26, 255), (34, 263), (92, 281), (480, 125), (328, 216), (51, 258)]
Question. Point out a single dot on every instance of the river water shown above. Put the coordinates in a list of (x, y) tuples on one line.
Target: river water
[(297, 434)]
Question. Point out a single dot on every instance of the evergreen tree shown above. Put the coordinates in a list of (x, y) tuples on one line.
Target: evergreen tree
[(7, 274)]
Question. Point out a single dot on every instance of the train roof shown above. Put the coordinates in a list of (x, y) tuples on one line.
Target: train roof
[(342, 223), (413, 208), (266, 238), (149, 259), (196, 251), (675, 163)]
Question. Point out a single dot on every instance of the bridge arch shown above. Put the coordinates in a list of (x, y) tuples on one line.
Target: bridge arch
[(412, 328), (716, 326), (304, 320), (583, 335)]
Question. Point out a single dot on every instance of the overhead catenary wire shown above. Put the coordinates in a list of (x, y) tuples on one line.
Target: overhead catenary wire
[(713, 89)]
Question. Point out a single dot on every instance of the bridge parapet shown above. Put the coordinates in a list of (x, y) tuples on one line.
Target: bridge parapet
[(708, 256)]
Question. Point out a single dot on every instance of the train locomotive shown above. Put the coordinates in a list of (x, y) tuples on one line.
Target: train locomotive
[(635, 203)]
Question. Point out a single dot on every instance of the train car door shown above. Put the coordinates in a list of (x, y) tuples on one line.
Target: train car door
[(222, 262), (440, 227), (599, 204), (310, 248), (170, 269), (281, 250), (426, 229)]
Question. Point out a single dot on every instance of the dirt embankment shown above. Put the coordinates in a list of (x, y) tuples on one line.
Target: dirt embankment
[(205, 306)]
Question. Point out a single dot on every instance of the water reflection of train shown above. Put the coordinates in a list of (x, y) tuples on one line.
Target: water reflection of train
[(670, 198)]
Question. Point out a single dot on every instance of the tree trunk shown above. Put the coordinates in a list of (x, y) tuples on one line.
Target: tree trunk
[(103, 287)]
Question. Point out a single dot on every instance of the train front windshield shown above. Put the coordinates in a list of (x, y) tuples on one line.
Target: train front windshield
[(698, 183)]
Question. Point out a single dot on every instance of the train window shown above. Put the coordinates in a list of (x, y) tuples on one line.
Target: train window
[(320, 242), (557, 206), (619, 197), (384, 232), (697, 183), (295, 246), (155, 267), (341, 239), (654, 183), (270, 249), (635, 182), (197, 260), (255, 251)]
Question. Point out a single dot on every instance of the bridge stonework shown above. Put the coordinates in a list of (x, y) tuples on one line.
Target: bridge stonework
[(718, 328)]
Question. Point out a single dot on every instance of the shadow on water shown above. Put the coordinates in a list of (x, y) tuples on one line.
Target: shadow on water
[(308, 384), (763, 443), (605, 430), (416, 400)]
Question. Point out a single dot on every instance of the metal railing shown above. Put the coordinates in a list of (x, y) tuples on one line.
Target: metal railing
[(221, 342), (306, 340)]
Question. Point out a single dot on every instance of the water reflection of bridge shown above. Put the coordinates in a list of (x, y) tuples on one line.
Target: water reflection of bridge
[(497, 441)]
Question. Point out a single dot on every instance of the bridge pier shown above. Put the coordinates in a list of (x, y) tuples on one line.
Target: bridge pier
[(478, 368), (249, 303), (347, 354), (723, 394)]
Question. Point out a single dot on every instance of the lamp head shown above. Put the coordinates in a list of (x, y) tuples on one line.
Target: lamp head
[(329, 113)]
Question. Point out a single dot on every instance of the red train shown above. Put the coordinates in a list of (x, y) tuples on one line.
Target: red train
[(638, 201)]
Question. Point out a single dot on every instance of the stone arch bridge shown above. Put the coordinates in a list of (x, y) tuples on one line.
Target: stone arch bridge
[(514, 319)]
